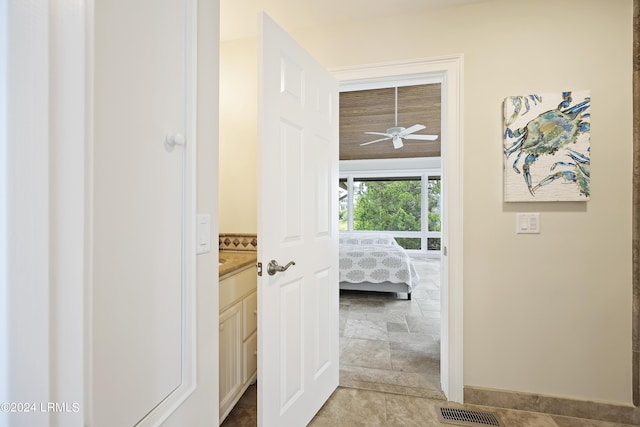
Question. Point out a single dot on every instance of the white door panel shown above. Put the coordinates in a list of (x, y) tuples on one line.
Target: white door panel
[(138, 203), (297, 221)]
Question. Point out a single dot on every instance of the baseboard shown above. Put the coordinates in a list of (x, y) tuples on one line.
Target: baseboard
[(552, 405)]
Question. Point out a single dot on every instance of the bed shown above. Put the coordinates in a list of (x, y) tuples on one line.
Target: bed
[(375, 262)]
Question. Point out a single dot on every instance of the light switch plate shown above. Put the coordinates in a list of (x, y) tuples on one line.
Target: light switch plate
[(528, 223), (203, 232)]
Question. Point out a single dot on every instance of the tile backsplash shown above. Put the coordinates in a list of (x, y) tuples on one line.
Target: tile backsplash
[(238, 242)]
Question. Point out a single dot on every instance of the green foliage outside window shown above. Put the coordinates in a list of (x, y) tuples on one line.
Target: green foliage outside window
[(434, 204), (389, 206), (396, 206)]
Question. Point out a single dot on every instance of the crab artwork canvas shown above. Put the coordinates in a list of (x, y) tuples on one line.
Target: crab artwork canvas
[(547, 147)]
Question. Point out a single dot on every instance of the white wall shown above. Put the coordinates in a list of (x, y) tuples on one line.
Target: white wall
[(548, 313), (238, 137), (24, 216)]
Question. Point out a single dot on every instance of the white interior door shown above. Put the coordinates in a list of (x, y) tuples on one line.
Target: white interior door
[(137, 301), (297, 222)]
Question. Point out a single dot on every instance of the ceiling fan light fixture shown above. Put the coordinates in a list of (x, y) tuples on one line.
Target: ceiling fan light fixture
[(397, 133)]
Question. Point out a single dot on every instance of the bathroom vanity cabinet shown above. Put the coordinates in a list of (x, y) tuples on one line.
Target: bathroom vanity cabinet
[(238, 335)]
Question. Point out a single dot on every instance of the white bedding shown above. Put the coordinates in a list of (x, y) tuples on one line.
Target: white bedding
[(375, 258)]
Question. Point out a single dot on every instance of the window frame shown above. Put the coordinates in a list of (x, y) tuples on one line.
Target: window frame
[(417, 168)]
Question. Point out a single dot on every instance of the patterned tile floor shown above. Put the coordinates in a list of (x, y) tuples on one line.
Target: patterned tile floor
[(391, 344)]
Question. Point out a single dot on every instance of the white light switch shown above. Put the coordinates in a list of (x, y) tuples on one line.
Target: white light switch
[(203, 243), (528, 223)]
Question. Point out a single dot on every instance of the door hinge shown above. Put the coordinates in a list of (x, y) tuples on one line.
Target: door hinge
[(259, 267)]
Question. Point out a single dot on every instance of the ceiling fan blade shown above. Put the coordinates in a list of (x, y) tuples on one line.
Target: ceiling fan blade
[(422, 137), (377, 140), (378, 133), (397, 142), (412, 129)]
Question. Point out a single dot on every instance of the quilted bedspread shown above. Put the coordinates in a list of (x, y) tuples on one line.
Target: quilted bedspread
[(376, 263)]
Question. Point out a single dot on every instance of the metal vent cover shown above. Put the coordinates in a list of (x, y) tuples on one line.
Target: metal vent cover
[(465, 417)]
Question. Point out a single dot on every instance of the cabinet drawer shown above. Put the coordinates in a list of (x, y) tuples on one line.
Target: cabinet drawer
[(250, 314), (235, 287), (250, 353)]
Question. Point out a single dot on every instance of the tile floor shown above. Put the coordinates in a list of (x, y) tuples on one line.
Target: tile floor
[(391, 344), (389, 381), (349, 407)]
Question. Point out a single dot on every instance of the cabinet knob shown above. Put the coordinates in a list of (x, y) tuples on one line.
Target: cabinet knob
[(171, 141)]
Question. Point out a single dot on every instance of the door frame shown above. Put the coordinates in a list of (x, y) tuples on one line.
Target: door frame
[(450, 68)]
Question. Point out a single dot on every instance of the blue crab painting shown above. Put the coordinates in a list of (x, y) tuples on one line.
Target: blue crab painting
[(550, 133)]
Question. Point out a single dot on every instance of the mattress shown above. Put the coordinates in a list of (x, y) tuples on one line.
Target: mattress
[(375, 259)]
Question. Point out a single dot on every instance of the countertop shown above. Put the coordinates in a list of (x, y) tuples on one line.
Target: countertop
[(234, 261)]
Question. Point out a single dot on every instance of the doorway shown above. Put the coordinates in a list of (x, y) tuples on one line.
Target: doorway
[(390, 343), (449, 69)]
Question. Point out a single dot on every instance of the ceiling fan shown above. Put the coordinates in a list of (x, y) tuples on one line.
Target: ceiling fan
[(397, 133)]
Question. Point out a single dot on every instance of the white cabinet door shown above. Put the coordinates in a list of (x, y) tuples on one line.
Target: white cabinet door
[(230, 356), (297, 221), (137, 194)]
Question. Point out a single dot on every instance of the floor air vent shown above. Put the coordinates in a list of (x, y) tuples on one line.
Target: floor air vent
[(466, 417)]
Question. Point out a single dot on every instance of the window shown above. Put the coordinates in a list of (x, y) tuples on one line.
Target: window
[(433, 211), (343, 194), (408, 207), (387, 204)]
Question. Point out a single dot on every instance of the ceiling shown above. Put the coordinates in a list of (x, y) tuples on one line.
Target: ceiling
[(238, 18), (374, 111)]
